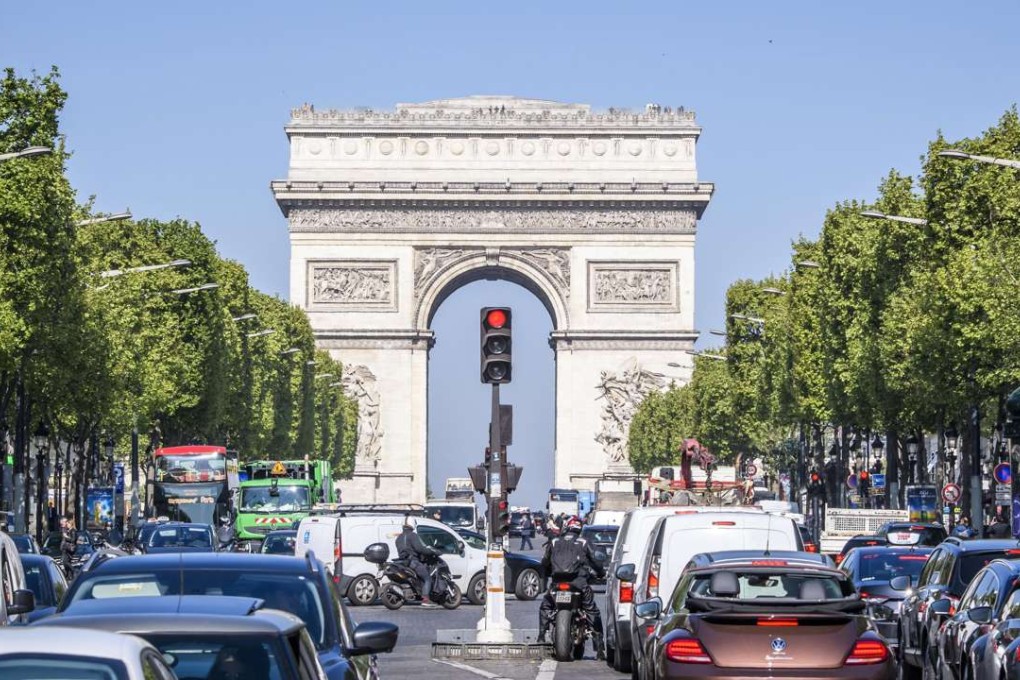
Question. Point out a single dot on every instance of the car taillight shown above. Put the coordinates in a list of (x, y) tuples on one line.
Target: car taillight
[(778, 622), (922, 607), (653, 578), (839, 559), (953, 602), (810, 547), (563, 586), (686, 650), (867, 652), (649, 629), (626, 591)]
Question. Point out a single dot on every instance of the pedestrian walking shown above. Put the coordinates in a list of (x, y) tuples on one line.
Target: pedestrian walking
[(68, 543), (527, 532)]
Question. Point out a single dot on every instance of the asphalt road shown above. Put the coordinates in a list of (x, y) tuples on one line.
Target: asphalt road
[(413, 656)]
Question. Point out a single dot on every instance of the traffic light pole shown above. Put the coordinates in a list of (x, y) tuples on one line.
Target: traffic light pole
[(495, 627)]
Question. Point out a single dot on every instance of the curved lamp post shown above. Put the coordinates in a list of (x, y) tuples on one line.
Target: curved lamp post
[(991, 160), (26, 153)]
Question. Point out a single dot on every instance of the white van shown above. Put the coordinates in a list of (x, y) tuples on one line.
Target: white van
[(339, 540), (631, 542), (675, 539)]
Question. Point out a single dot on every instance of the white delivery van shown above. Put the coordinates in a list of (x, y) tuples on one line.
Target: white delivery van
[(675, 539), (607, 518), (339, 540), (631, 541)]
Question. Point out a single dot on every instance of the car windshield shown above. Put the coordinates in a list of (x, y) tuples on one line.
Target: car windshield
[(210, 655), (762, 586), (39, 666), (279, 545), (972, 563), (294, 593), (283, 499), (474, 540), (181, 537), (887, 566), (453, 515)]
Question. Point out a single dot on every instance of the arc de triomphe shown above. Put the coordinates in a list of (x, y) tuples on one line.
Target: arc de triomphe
[(594, 212)]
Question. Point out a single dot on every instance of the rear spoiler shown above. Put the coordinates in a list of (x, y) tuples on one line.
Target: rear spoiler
[(775, 605)]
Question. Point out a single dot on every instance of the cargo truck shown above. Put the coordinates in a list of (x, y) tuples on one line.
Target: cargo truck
[(276, 494)]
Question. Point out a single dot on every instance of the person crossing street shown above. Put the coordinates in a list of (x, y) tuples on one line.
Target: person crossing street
[(527, 532)]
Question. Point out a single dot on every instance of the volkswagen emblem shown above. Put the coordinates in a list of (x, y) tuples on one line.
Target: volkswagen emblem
[(779, 645)]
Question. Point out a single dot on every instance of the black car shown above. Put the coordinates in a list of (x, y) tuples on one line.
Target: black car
[(180, 537), (46, 581), (857, 542), (83, 539), (217, 637), (299, 585), (279, 542), (26, 544), (872, 570), (524, 572), (602, 539), (991, 597), (904, 533), (945, 577)]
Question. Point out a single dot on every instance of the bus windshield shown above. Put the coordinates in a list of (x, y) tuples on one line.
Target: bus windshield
[(453, 515), (287, 499), (199, 467), (569, 496)]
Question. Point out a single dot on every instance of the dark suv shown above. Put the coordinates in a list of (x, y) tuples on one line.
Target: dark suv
[(299, 585), (946, 575)]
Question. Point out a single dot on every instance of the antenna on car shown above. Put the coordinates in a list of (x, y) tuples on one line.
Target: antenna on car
[(768, 535)]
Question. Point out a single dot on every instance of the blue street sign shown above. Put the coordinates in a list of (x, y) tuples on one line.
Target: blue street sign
[(877, 481), (1002, 473), (118, 477)]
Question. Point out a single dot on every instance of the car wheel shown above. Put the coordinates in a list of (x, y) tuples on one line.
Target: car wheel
[(529, 585), (476, 589), (622, 661), (610, 655), (363, 590)]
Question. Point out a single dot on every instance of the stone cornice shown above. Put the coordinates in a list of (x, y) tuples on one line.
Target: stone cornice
[(374, 339), (677, 340)]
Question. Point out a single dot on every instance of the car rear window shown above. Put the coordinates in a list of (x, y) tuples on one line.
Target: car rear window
[(887, 566), (601, 536), (761, 586), (972, 563), (219, 656)]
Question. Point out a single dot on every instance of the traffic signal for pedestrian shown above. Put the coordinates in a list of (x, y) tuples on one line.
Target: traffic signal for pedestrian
[(495, 345)]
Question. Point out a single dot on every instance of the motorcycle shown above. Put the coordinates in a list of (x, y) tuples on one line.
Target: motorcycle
[(398, 582), (571, 627)]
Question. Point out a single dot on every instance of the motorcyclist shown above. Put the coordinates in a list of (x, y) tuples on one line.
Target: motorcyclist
[(416, 554), (569, 558)]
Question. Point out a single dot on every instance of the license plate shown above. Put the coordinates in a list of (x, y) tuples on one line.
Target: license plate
[(564, 597)]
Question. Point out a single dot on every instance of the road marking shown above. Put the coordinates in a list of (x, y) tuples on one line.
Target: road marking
[(547, 671), (471, 669)]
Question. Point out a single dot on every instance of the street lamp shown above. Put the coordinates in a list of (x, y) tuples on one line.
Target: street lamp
[(290, 350), (952, 439), (320, 376), (773, 291), (913, 445), (196, 289), (311, 362), (877, 447), (27, 152), (261, 333), (111, 273), (336, 384), (244, 317), (874, 214), (962, 155), (115, 217), (808, 264), (744, 317), (108, 450), (715, 331)]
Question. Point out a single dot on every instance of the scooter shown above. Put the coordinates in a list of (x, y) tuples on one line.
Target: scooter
[(571, 627), (398, 582)]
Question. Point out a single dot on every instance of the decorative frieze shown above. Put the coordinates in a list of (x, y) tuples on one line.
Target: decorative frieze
[(430, 263), (352, 284), (638, 286), (426, 220)]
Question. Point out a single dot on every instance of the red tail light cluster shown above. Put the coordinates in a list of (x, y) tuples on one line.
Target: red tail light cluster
[(686, 650), (653, 578), (626, 591), (778, 622), (866, 652)]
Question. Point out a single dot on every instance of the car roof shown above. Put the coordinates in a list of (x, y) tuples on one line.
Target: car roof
[(981, 544), (223, 605), (99, 644), (34, 558), (796, 561), (745, 556), (206, 560), (905, 549)]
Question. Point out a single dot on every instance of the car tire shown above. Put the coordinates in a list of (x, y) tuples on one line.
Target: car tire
[(363, 591), (622, 661), (476, 590), (529, 585), (610, 655)]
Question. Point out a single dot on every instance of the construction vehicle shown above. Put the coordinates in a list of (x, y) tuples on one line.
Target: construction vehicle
[(842, 524), (277, 494)]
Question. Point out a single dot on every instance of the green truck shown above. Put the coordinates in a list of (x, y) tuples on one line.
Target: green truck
[(276, 494)]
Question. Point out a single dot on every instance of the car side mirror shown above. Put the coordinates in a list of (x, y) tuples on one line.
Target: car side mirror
[(940, 607), (479, 524), (649, 609), (460, 548), (23, 603), (374, 637), (900, 583), (626, 572), (979, 615)]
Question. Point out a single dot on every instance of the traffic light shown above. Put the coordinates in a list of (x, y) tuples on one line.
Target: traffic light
[(864, 483), (816, 486), (502, 527), (495, 343)]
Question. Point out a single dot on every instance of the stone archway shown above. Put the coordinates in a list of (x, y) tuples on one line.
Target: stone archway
[(594, 213)]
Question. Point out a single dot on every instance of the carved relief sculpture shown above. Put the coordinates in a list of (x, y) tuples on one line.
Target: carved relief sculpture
[(623, 392), (633, 285), (359, 382), (352, 284), (554, 261)]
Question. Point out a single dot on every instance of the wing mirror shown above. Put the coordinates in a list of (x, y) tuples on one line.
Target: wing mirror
[(626, 572), (979, 615), (649, 609), (23, 603), (460, 548), (374, 637), (900, 583), (940, 607)]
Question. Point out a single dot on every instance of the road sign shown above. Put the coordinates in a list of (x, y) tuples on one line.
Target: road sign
[(878, 484), (1002, 494), (951, 493), (752, 470), (118, 477), (1002, 473), (851, 481)]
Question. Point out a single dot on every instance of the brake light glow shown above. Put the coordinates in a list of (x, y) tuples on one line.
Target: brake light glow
[(626, 591), (769, 563), (724, 524), (653, 577), (866, 652), (649, 629), (686, 650), (686, 512), (563, 586), (810, 547), (778, 622), (1013, 551)]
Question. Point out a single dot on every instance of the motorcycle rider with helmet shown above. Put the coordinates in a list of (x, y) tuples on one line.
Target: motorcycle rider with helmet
[(416, 554), (569, 558)]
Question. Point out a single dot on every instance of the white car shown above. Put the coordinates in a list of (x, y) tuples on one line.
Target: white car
[(78, 654)]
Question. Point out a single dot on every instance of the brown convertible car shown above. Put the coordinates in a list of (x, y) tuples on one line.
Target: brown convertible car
[(763, 616)]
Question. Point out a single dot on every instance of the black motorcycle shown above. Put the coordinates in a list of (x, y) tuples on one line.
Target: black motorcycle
[(398, 582), (571, 628)]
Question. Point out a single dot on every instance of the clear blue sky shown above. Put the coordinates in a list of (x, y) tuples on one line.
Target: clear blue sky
[(179, 110)]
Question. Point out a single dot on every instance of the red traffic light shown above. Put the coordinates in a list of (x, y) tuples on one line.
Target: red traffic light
[(502, 505), (496, 318), (815, 477), (864, 474)]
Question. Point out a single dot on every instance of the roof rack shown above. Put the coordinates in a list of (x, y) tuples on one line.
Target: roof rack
[(374, 508)]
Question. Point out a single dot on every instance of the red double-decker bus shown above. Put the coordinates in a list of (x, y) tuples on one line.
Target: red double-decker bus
[(194, 483)]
